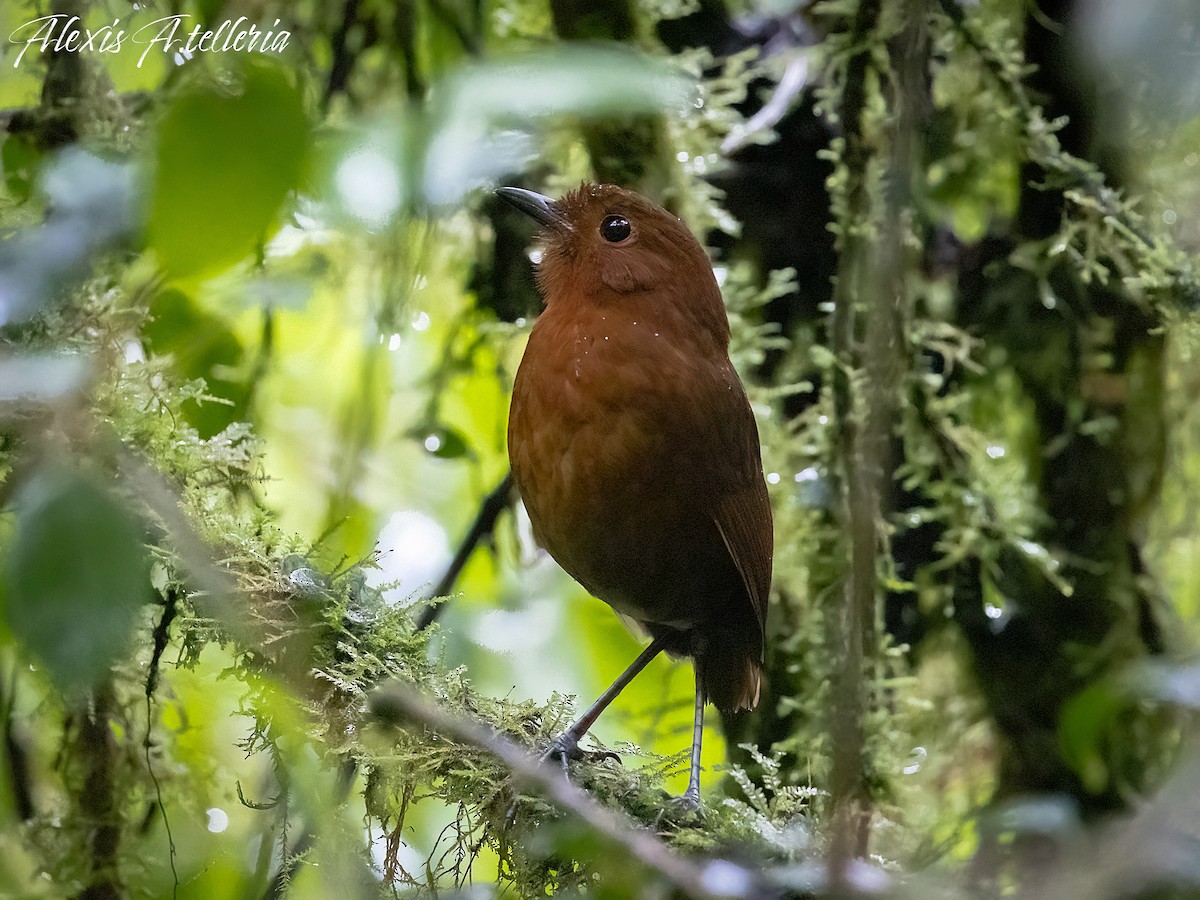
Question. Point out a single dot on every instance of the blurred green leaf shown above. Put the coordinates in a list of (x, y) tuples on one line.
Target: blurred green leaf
[(443, 442), (224, 165), (479, 110), (77, 574), (19, 159), (587, 80), (1085, 720), (202, 346)]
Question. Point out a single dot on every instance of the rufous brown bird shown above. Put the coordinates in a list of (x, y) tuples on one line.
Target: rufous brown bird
[(634, 448)]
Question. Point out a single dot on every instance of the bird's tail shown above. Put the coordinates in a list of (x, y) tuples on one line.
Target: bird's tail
[(730, 665)]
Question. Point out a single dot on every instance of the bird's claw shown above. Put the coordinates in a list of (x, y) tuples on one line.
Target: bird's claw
[(563, 748), (684, 810), (566, 747)]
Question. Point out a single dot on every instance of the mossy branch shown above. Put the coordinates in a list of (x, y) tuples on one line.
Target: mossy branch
[(851, 620), (397, 702)]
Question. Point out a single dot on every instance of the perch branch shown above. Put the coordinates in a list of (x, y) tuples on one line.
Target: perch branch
[(715, 878)]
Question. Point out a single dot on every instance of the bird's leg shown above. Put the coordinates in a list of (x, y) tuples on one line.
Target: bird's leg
[(686, 808), (566, 745), (691, 797)]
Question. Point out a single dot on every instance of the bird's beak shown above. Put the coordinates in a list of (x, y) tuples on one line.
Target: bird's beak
[(544, 210)]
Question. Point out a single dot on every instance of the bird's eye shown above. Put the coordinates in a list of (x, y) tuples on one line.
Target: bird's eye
[(615, 229)]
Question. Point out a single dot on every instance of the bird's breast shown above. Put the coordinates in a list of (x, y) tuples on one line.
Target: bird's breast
[(599, 427), (587, 418)]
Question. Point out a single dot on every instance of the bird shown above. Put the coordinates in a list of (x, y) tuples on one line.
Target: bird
[(634, 447)]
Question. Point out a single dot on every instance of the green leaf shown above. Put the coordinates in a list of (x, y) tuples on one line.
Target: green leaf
[(1084, 724), (19, 158), (224, 165), (77, 574), (443, 442), (477, 112), (201, 345)]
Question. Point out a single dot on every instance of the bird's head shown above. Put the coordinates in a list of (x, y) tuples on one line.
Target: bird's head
[(602, 244)]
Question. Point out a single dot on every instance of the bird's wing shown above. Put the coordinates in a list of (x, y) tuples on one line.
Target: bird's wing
[(744, 521), (743, 511)]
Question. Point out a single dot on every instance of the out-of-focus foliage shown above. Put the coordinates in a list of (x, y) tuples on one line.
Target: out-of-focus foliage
[(64, 515), (90, 207), (253, 388), (223, 164)]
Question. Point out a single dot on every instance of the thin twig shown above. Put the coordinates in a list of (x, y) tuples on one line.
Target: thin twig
[(161, 636), (344, 57), (715, 878), (485, 523), (292, 859)]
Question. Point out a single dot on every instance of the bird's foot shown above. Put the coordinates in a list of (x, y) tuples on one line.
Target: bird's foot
[(682, 811), (563, 748), (566, 747), (690, 799)]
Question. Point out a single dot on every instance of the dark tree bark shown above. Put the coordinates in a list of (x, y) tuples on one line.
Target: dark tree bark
[(97, 799)]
